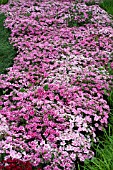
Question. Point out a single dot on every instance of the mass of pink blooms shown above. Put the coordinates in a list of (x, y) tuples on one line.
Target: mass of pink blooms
[(52, 103)]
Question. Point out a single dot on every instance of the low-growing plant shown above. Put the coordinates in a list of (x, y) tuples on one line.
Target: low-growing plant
[(78, 18), (52, 101)]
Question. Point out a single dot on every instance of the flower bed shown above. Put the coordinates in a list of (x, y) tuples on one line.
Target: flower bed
[(52, 99)]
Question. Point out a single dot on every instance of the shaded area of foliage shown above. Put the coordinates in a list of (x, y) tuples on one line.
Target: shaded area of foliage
[(7, 51), (3, 2)]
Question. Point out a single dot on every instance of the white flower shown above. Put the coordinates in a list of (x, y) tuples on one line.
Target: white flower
[(14, 154)]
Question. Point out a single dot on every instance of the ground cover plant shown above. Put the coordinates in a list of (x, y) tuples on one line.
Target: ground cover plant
[(53, 97), (103, 158)]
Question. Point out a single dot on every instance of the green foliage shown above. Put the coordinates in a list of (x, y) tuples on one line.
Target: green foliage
[(22, 90), (46, 87), (7, 51), (22, 122), (110, 99), (52, 157), (104, 156), (3, 2), (90, 3), (2, 156), (110, 69), (77, 18), (107, 5)]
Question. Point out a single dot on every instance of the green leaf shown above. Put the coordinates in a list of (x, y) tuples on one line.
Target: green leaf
[(55, 101), (96, 39), (4, 92), (2, 156), (75, 24), (22, 90), (30, 85), (50, 117), (37, 19), (0, 107), (22, 122), (46, 87), (27, 14), (75, 7), (105, 92), (52, 156), (101, 68)]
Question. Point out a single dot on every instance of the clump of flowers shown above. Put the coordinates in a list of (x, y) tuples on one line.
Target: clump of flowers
[(15, 164), (78, 17), (4, 129)]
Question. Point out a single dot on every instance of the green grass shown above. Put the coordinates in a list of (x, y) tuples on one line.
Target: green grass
[(3, 1), (107, 5), (7, 51)]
